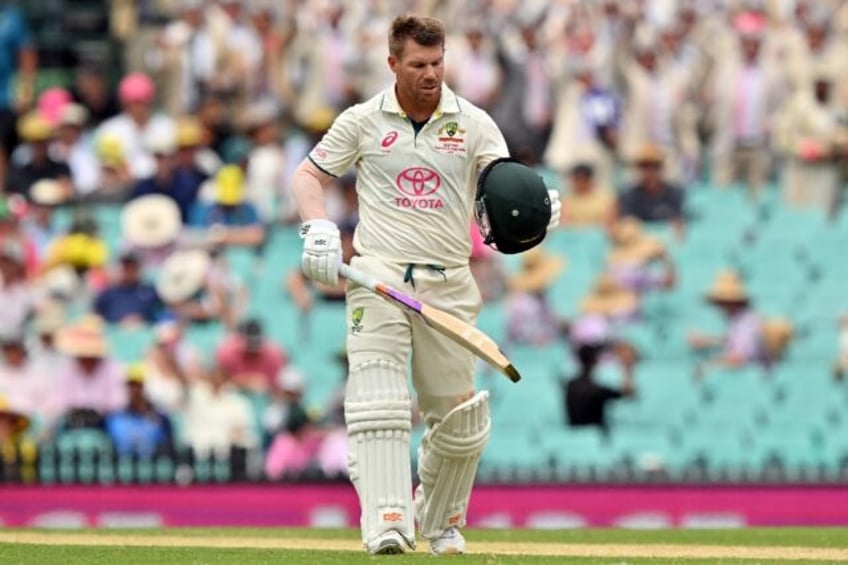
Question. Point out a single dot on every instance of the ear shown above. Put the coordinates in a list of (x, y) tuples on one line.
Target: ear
[(394, 63)]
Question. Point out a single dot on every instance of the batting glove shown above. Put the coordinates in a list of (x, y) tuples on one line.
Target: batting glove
[(556, 209), (322, 251)]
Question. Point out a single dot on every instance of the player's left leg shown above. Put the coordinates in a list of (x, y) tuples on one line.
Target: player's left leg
[(457, 419)]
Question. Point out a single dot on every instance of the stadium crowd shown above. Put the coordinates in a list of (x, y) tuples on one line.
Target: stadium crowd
[(624, 105)]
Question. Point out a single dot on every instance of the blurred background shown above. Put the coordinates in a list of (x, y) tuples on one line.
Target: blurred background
[(683, 335)]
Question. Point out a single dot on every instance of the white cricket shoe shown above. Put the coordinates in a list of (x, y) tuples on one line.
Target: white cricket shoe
[(390, 542), (450, 542)]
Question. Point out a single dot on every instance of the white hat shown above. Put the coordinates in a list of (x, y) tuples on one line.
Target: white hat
[(161, 140), (290, 379), (47, 192), (151, 221), (183, 275), (73, 115)]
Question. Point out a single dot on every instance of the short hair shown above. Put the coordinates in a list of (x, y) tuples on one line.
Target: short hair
[(423, 30)]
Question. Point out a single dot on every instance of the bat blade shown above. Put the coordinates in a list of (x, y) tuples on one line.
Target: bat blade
[(470, 338), (462, 333)]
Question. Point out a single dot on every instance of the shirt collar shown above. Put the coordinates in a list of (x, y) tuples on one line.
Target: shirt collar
[(448, 103)]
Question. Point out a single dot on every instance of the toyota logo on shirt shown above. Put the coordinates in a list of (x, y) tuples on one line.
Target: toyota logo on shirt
[(418, 181), (418, 184)]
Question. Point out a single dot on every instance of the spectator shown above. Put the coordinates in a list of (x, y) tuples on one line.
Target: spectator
[(586, 401), (91, 384), (17, 295), (586, 124), (651, 199), (24, 382), (587, 204), (841, 365), (657, 110), (137, 124), (170, 365), (198, 287), (194, 163), (811, 135), (181, 53), (296, 441), (81, 249), (743, 342), (747, 90), (12, 232), (610, 300), (139, 429), (217, 418), (116, 178), (91, 90), (266, 162), (128, 300), (177, 181), (250, 359), (36, 131), (39, 226), (230, 220), (151, 227), (472, 67), (18, 66), (48, 320), (524, 106), (73, 147), (637, 261), (13, 425), (530, 317)]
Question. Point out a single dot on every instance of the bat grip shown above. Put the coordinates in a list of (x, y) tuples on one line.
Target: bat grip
[(358, 277)]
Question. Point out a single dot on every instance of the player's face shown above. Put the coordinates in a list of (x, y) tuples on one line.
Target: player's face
[(419, 73)]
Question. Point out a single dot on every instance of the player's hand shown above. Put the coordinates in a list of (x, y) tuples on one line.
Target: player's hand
[(556, 209), (322, 251)]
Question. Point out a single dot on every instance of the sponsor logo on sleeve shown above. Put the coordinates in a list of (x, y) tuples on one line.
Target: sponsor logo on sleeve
[(418, 187), (319, 154)]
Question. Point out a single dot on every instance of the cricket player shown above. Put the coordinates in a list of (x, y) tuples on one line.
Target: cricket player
[(418, 149)]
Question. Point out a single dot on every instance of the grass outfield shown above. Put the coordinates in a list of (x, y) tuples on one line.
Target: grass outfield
[(490, 547)]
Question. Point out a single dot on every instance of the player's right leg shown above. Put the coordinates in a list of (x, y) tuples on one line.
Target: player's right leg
[(378, 416)]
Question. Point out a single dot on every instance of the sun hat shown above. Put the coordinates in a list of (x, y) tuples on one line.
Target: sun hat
[(52, 103), (136, 87), (151, 221), (182, 276), (47, 192), (728, 288), (83, 339), (229, 186), (609, 298), (538, 270), (33, 127), (630, 243)]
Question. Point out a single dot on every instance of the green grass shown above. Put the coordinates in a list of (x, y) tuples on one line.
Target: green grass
[(806, 537), (70, 555)]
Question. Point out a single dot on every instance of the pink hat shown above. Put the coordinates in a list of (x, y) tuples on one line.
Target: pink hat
[(136, 87), (51, 104), (749, 24)]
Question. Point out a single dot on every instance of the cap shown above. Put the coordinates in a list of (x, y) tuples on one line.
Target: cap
[(136, 87), (229, 185), (33, 127), (73, 115), (512, 206)]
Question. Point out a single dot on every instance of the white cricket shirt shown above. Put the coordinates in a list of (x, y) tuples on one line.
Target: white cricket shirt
[(416, 191)]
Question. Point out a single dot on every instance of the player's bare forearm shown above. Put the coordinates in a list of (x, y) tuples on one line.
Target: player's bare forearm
[(308, 185)]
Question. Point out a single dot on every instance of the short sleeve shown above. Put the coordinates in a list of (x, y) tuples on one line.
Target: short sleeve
[(491, 144), (338, 150)]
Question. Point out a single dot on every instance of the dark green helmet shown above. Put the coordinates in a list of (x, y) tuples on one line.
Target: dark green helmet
[(512, 206)]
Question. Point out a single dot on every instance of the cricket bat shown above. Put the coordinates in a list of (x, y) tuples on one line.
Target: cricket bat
[(449, 325)]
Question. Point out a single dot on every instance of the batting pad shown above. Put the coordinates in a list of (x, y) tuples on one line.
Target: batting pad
[(378, 416), (447, 464)]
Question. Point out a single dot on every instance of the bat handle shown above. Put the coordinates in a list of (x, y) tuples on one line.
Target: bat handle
[(358, 277)]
